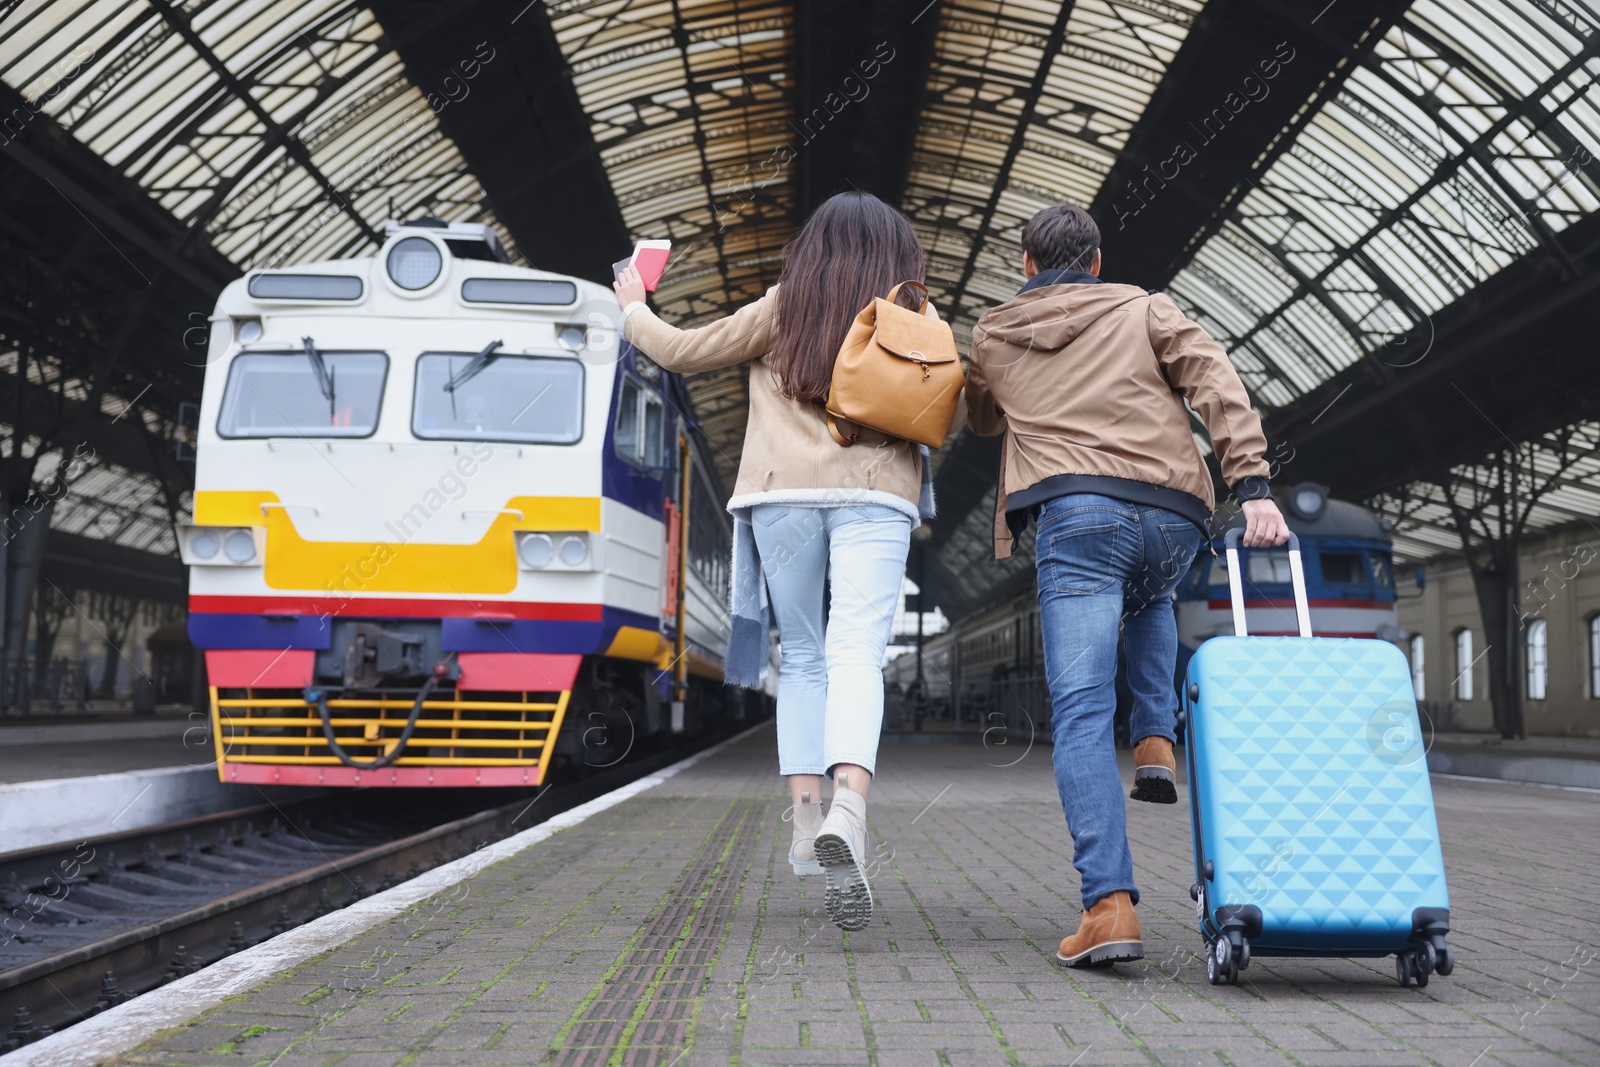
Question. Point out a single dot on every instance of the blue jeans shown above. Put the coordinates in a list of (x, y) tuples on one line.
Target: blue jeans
[(1104, 563), (830, 680)]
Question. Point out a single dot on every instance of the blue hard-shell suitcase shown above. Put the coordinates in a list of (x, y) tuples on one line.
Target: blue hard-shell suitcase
[(1314, 827)]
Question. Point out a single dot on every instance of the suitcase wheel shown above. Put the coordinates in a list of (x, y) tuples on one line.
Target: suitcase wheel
[(1427, 960), (1413, 965), (1224, 961)]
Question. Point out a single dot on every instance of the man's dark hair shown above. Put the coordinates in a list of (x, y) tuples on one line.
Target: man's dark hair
[(1061, 238)]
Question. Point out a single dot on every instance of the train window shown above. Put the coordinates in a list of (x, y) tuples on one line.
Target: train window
[(521, 399), (517, 291), (640, 422), (1382, 568), (1267, 568), (710, 544), (305, 287), (280, 394), (1343, 568)]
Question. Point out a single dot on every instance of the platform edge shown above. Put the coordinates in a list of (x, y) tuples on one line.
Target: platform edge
[(127, 1026)]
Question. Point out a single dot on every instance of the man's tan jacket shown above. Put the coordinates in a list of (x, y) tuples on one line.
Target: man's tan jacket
[(1090, 379)]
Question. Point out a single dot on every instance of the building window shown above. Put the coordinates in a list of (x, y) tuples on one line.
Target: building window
[(1463, 664), (1538, 659), (1594, 657), (1418, 685)]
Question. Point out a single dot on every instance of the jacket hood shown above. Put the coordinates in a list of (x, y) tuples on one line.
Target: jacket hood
[(1047, 317)]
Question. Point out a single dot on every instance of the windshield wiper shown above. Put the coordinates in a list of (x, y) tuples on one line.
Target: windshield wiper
[(319, 368), (478, 362)]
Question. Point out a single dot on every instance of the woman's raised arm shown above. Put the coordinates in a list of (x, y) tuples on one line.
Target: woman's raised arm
[(745, 335)]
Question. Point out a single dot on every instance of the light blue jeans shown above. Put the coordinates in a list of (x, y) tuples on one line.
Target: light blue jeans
[(833, 576), (1104, 563)]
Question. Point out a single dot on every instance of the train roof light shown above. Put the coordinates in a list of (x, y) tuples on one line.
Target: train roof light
[(464, 240), (1308, 501), (414, 263)]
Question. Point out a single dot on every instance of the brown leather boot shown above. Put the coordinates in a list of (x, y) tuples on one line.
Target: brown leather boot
[(1108, 933), (1155, 771)]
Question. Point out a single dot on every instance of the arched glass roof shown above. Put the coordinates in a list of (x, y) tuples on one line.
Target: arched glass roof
[(1464, 141), (1029, 104), (1452, 139), (284, 131), (690, 105)]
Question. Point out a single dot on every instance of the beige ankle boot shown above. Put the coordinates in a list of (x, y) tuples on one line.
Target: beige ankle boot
[(807, 819), (842, 850)]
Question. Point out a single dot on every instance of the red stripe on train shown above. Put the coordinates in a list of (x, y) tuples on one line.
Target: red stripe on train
[(394, 607)]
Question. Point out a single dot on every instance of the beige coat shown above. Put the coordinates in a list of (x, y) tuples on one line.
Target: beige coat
[(1092, 378), (789, 456)]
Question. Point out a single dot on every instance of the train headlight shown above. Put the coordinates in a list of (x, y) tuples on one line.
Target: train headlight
[(414, 263), (535, 550), (1308, 501), (204, 543), (248, 331), (572, 338), (558, 550), (220, 546), (240, 546), (574, 550)]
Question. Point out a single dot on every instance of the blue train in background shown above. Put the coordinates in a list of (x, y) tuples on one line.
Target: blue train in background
[(988, 668), (1348, 555)]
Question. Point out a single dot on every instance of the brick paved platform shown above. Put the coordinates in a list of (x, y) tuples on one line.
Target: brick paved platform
[(669, 930)]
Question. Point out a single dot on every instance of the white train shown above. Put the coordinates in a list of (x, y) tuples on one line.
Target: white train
[(440, 507)]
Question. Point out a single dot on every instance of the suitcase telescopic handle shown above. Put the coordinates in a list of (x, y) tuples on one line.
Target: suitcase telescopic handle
[(1302, 609)]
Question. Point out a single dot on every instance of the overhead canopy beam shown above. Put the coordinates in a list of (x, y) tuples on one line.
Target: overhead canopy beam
[(73, 562), (1495, 369), (862, 68), (518, 124), (1154, 209), (108, 289)]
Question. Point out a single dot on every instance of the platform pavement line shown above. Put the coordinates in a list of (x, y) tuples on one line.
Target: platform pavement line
[(129, 1025)]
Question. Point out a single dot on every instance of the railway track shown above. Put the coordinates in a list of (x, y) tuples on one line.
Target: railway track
[(121, 915)]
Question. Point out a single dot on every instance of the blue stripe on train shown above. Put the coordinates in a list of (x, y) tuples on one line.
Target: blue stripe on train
[(221, 631)]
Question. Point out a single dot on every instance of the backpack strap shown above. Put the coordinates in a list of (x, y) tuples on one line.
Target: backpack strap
[(833, 428), (922, 291)]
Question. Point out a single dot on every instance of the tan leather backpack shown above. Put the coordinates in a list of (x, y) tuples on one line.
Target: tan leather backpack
[(897, 373)]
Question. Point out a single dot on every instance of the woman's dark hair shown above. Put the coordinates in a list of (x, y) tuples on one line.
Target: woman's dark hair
[(853, 248)]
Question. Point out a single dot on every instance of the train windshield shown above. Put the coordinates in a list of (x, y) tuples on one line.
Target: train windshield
[(1269, 568), (284, 394), (524, 399)]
